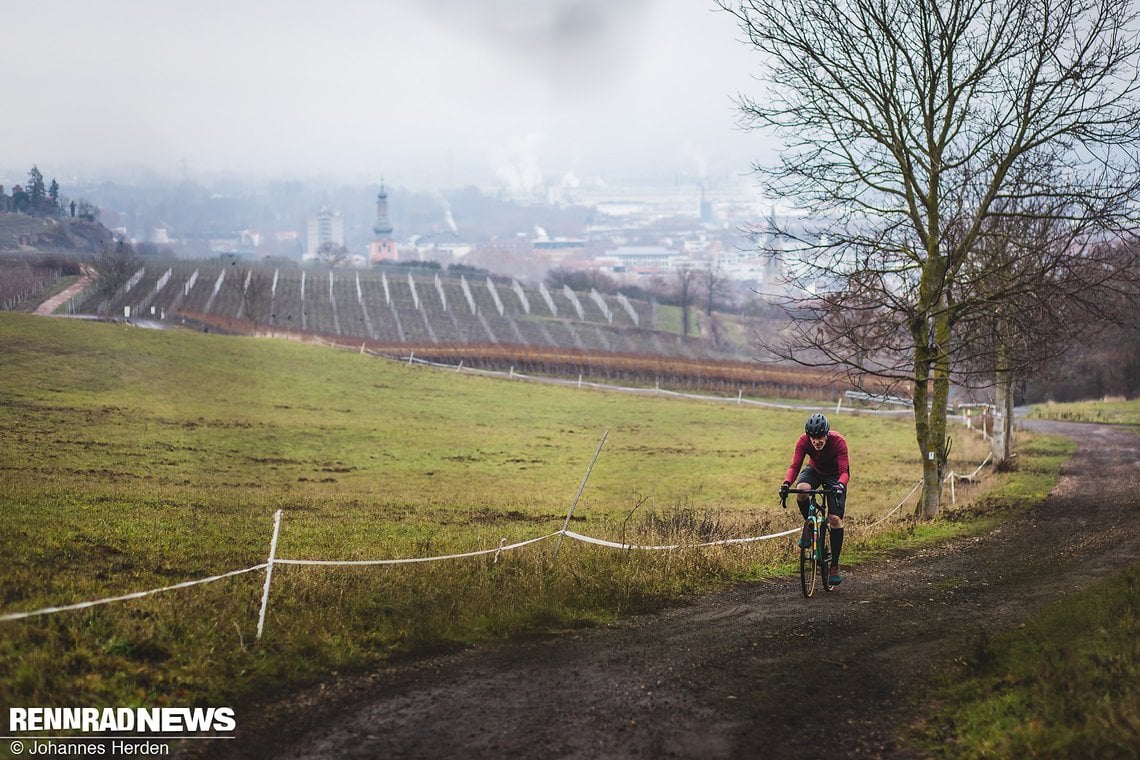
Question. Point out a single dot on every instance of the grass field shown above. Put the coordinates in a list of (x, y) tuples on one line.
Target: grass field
[(1065, 684), (1115, 412), (134, 459)]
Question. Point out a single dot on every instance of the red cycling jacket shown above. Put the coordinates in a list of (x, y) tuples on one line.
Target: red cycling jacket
[(830, 461)]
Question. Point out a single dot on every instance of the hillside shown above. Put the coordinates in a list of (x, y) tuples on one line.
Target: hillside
[(399, 306), (478, 320), (21, 233)]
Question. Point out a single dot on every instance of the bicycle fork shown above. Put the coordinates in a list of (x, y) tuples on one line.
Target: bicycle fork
[(819, 549)]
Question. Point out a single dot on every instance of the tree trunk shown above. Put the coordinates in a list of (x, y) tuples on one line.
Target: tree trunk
[(1002, 442), (931, 397), (1007, 420), (934, 448)]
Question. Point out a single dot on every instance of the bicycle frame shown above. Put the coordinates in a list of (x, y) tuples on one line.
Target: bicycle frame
[(816, 558)]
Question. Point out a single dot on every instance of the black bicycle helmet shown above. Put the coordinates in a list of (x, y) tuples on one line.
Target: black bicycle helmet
[(817, 426)]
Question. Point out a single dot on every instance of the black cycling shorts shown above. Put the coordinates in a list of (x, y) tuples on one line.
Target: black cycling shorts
[(812, 477)]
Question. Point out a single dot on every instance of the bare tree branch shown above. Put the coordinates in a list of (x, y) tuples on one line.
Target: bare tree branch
[(918, 133)]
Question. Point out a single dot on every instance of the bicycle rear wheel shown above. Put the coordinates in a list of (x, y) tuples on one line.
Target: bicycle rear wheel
[(808, 567)]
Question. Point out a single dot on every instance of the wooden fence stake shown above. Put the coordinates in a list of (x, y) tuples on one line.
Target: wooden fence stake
[(269, 573), (570, 514)]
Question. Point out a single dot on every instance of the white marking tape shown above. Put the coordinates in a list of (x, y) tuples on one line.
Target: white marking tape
[(125, 597), (985, 461), (897, 507), (615, 545), (496, 551)]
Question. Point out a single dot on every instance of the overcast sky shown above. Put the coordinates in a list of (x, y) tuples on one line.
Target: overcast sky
[(421, 91)]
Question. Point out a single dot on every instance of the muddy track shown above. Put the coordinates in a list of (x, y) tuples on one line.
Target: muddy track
[(730, 675)]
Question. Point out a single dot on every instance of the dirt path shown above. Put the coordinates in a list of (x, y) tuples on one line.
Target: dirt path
[(48, 307), (729, 676)]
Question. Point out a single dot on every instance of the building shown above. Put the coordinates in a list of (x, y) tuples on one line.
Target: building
[(383, 247), (559, 250), (325, 227), (640, 259)]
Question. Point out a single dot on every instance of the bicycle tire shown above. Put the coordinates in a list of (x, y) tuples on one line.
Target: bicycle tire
[(825, 557), (808, 567)]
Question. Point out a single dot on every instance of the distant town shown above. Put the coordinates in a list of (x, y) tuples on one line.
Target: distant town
[(631, 231)]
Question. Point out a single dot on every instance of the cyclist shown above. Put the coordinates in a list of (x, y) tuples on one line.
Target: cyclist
[(828, 467)]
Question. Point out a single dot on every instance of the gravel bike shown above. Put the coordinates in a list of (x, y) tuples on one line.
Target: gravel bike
[(815, 558)]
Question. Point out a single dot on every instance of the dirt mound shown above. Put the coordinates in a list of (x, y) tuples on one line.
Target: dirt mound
[(736, 674)]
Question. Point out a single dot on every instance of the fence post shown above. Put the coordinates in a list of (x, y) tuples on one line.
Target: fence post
[(566, 522), (269, 573)]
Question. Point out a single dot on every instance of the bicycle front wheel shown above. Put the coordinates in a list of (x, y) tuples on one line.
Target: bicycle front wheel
[(823, 554), (808, 567)]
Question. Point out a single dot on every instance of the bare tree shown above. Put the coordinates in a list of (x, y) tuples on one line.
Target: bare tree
[(581, 280), (1105, 364), (88, 211), (1034, 285), (905, 123), (115, 265), (686, 295), (332, 254), (716, 285)]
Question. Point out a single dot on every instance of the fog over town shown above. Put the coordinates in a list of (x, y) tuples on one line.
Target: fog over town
[(438, 93), (230, 127)]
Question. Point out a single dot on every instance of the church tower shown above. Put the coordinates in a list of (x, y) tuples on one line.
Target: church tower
[(383, 247)]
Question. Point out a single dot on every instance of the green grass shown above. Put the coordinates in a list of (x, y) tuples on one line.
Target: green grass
[(134, 459), (1118, 412), (1066, 684), (1039, 461), (670, 319)]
